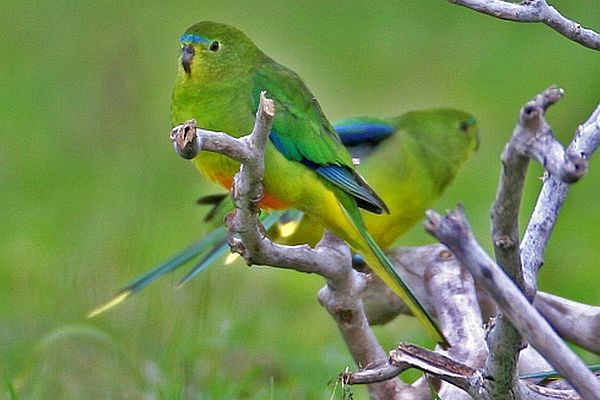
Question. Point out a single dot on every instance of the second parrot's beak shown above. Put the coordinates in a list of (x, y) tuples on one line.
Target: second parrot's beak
[(187, 55)]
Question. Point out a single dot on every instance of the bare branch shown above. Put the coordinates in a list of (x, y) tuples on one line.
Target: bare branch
[(437, 275), (551, 198), (189, 141), (451, 288), (454, 231), (535, 11), (575, 322), (458, 374), (532, 138), (341, 298)]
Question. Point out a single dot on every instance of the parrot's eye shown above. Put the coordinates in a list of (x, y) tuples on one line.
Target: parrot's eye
[(466, 124), (214, 46)]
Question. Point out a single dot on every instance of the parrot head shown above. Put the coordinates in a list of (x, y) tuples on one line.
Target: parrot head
[(447, 138), (465, 139), (214, 52)]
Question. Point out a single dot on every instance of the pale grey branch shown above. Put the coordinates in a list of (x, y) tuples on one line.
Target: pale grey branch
[(535, 11), (576, 322), (551, 198), (454, 231), (189, 140), (435, 364), (532, 138), (436, 274), (451, 289)]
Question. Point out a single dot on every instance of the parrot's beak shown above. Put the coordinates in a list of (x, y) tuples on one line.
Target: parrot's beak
[(187, 55)]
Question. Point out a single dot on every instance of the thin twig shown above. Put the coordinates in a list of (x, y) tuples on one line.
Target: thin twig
[(535, 11), (532, 138)]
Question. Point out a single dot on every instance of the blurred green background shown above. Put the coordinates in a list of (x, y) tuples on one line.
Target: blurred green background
[(93, 194)]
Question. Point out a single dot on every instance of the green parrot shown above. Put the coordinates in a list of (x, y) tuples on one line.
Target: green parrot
[(220, 77), (405, 148)]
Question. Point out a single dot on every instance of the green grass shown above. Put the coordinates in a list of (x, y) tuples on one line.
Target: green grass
[(92, 192)]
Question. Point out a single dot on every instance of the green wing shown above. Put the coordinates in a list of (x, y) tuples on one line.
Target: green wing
[(302, 133)]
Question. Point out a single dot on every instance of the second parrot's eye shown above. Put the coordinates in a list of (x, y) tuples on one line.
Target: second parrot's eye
[(468, 123), (214, 46)]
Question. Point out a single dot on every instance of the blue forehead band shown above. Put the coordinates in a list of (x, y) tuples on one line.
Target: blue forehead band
[(190, 37)]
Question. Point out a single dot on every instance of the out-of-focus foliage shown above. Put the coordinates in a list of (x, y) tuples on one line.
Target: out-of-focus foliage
[(92, 192)]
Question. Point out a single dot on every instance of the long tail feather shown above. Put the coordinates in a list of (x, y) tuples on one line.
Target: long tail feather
[(217, 235), (206, 262), (385, 269), (404, 292), (215, 241), (221, 248)]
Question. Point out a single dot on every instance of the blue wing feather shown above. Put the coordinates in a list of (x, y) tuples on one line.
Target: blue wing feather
[(357, 131), (302, 133), (341, 176), (349, 181)]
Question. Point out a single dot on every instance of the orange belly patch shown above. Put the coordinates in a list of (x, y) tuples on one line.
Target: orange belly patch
[(271, 202), (267, 201)]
